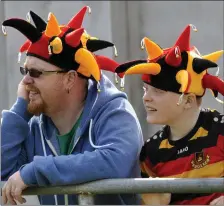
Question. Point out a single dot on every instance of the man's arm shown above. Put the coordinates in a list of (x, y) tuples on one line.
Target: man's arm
[(14, 131), (116, 127)]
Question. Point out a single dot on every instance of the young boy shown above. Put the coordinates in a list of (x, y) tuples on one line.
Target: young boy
[(191, 144)]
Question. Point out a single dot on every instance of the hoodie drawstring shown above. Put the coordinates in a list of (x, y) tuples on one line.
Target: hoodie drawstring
[(90, 138), (45, 153), (42, 139)]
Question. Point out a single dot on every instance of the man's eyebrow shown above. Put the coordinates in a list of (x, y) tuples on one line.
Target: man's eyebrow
[(32, 67)]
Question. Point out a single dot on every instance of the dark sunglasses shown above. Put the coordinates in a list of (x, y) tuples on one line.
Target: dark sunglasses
[(36, 73)]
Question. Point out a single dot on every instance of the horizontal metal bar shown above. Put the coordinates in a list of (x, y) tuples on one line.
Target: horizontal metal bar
[(137, 185)]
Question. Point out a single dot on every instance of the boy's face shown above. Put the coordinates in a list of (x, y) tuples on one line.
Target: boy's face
[(161, 106)]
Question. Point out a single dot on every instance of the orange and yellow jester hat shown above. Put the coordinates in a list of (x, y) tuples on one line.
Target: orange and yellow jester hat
[(62, 45), (180, 69)]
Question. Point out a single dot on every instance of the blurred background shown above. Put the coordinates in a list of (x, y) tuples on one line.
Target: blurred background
[(124, 23)]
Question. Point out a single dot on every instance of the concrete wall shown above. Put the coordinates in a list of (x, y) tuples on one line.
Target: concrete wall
[(125, 23), (4, 93)]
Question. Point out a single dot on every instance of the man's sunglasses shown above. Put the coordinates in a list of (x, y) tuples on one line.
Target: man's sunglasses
[(36, 73)]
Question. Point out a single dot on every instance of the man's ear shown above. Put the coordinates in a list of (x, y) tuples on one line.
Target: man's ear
[(190, 100), (70, 79)]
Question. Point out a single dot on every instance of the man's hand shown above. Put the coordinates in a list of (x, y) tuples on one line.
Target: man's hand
[(218, 201), (22, 92), (12, 190)]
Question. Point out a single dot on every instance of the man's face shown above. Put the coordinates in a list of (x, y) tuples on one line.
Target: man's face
[(161, 106), (46, 91)]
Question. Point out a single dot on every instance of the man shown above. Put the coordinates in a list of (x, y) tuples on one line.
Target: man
[(83, 128), (191, 144)]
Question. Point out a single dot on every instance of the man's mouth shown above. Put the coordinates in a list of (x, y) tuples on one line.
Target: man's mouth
[(32, 94)]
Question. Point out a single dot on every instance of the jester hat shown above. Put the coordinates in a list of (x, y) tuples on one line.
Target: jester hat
[(180, 69), (91, 43), (64, 46)]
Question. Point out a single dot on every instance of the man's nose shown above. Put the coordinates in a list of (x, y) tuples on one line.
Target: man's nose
[(28, 79)]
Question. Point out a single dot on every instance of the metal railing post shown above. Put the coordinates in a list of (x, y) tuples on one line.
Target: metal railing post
[(85, 199)]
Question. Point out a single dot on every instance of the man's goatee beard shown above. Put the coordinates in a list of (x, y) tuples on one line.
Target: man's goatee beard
[(35, 109)]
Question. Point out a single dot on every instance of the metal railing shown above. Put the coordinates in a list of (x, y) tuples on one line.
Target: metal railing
[(87, 191)]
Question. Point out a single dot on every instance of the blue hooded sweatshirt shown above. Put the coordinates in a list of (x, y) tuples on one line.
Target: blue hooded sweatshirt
[(107, 144)]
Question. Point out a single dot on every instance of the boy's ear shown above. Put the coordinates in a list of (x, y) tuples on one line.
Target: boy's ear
[(190, 100)]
